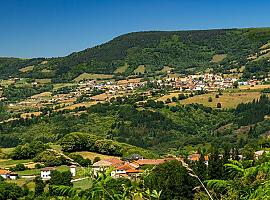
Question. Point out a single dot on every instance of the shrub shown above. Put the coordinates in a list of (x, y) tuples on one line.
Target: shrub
[(18, 167), (217, 96), (210, 99), (96, 159), (218, 105), (174, 99), (181, 96), (168, 101)]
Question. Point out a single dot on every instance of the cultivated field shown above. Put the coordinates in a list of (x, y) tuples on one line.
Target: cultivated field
[(227, 100), (255, 87)]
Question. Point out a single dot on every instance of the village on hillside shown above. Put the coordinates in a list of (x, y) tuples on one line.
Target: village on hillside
[(87, 92)]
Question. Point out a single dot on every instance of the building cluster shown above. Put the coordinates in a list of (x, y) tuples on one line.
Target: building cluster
[(131, 167)]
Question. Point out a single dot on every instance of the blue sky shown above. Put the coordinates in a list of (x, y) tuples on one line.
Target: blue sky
[(51, 28)]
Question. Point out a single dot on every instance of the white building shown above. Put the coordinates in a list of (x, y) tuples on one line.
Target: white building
[(73, 170), (6, 174), (46, 172)]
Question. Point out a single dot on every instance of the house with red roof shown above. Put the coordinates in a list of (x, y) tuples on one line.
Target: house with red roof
[(103, 165), (6, 174)]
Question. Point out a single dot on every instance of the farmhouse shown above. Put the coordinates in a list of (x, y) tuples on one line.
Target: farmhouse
[(126, 170), (103, 165), (6, 174), (46, 172), (195, 157)]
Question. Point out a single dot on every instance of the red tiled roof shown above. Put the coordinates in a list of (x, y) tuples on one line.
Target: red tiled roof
[(150, 161), (196, 157), (115, 162), (134, 171), (3, 172), (48, 169), (125, 167)]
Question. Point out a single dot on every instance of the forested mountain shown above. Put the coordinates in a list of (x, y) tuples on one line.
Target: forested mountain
[(184, 51)]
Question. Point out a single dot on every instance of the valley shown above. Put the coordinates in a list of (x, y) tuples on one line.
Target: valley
[(134, 109)]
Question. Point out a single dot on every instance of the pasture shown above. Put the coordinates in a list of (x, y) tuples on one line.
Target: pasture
[(92, 155), (122, 69), (218, 58), (87, 76), (27, 69), (227, 99), (139, 70)]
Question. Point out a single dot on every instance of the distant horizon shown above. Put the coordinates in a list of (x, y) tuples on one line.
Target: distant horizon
[(57, 28)]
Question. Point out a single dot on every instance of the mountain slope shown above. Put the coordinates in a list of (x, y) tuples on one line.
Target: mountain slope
[(180, 50)]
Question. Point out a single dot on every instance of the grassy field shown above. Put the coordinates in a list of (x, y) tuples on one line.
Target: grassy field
[(255, 87), (26, 69), (83, 184), (218, 58), (265, 46), (6, 83), (121, 69), (86, 76), (5, 163), (227, 100), (21, 182), (165, 69), (92, 155), (171, 95), (132, 80), (43, 81), (140, 69), (77, 105), (28, 115), (267, 55), (61, 85)]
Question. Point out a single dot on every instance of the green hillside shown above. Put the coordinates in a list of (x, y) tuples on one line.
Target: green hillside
[(196, 50)]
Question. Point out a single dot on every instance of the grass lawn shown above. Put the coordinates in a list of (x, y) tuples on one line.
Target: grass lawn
[(83, 184), (227, 100)]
